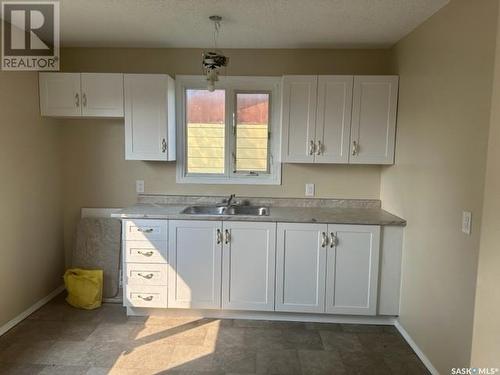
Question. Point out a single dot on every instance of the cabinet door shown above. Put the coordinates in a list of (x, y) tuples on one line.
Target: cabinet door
[(248, 266), (333, 119), (195, 264), (299, 118), (352, 269), (300, 267), (148, 112), (60, 94), (373, 129), (102, 95)]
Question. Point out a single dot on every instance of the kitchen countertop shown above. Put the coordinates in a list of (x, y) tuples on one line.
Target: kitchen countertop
[(290, 214)]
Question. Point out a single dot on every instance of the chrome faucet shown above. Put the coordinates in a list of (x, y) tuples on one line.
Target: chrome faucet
[(230, 200)]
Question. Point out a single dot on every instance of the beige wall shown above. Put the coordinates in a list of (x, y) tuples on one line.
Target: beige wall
[(97, 175), (446, 70), (486, 342), (32, 258)]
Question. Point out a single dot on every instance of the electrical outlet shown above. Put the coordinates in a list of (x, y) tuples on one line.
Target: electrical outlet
[(309, 190), (139, 186), (466, 222)]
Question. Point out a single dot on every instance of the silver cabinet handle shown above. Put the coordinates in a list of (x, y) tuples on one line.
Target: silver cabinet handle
[(146, 254), (147, 276), (163, 145), (312, 147), (355, 148), (219, 237), (227, 237), (333, 240), (324, 239), (148, 298), (145, 230), (319, 150), (84, 99), (77, 99)]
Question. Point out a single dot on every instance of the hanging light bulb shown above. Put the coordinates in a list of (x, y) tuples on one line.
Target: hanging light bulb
[(213, 60)]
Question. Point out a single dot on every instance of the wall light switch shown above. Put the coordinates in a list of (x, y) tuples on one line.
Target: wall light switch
[(466, 222), (139, 186), (309, 190)]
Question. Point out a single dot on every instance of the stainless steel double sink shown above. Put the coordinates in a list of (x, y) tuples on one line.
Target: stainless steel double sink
[(226, 210)]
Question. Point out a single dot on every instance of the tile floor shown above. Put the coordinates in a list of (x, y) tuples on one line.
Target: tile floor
[(58, 339)]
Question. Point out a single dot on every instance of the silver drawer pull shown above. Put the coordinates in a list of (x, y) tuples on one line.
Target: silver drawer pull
[(148, 298), (227, 237), (333, 240), (312, 147), (147, 276), (355, 148), (324, 239), (145, 230), (219, 237), (146, 254)]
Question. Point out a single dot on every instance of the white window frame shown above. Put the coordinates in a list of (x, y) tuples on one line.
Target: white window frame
[(232, 85)]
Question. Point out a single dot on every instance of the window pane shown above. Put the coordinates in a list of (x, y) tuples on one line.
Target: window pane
[(252, 126), (205, 113)]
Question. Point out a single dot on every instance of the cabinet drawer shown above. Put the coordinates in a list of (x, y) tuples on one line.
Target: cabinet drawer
[(146, 296), (143, 229), (145, 251), (145, 274)]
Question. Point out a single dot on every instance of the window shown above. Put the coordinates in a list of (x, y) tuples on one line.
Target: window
[(252, 132), (230, 135), (205, 117)]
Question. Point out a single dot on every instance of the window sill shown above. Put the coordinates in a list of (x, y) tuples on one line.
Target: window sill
[(243, 180)]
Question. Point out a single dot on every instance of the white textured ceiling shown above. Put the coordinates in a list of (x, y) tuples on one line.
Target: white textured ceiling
[(246, 23)]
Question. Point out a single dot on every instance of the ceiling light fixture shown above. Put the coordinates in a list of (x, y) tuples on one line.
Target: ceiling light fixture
[(213, 60)]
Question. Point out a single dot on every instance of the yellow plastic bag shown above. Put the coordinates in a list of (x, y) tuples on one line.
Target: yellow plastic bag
[(84, 288)]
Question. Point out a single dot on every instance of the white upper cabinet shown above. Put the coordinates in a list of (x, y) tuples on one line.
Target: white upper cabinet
[(374, 111), (301, 267), (299, 118), (149, 117), (339, 119), (333, 119), (352, 269), (60, 94), (102, 95), (248, 266), (81, 94), (194, 256)]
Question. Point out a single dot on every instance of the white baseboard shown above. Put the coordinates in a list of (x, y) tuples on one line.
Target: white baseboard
[(30, 310), (416, 349), (261, 315)]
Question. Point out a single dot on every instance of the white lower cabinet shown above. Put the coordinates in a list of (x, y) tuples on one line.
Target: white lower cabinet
[(327, 268), (195, 264), (210, 259), (145, 296), (259, 266), (248, 266), (145, 274), (145, 261), (352, 269), (300, 267)]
